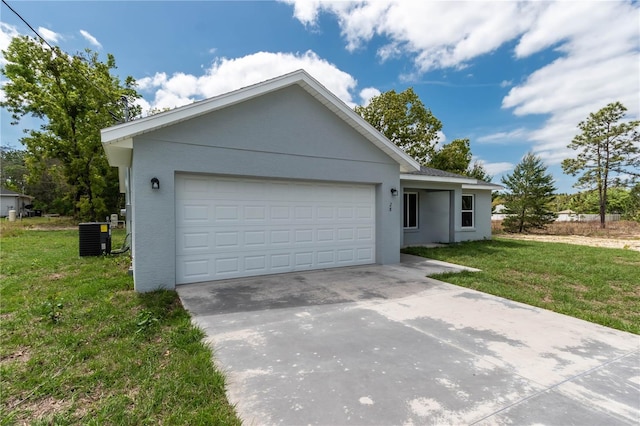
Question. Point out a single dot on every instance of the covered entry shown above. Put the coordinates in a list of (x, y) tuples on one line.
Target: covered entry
[(428, 216)]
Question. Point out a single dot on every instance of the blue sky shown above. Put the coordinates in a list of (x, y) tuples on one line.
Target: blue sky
[(512, 77)]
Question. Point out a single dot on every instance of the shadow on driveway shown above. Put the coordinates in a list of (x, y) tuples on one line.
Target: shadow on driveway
[(385, 345)]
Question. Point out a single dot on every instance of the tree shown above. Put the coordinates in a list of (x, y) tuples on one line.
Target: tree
[(405, 121), (455, 157), (608, 150), (478, 171), (13, 169), (633, 211), (530, 194), (39, 177), (75, 96)]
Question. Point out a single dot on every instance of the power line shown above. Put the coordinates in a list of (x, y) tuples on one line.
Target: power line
[(42, 40), (27, 24)]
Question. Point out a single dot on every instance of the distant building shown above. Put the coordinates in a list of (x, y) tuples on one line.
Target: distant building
[(11, 200), (567, 216)]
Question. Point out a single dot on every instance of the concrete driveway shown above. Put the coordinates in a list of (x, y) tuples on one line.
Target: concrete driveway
[(383, 345)]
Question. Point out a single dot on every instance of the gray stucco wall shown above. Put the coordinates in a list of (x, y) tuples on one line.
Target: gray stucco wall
[(482, 217), (440, 218), (285, 134), (433, 218)]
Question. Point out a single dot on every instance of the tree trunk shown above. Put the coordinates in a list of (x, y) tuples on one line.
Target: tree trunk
[(603, 205)]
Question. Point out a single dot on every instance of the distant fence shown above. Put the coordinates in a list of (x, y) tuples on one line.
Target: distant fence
[(613, 217), (573, 217)]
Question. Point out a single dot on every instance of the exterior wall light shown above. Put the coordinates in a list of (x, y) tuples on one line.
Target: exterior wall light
[(394, 192), (155, 183)]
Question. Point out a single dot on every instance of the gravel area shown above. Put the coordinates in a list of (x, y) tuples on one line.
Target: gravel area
[(630, 244)]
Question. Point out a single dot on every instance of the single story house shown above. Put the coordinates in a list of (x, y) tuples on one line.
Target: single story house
[(11, 200), (276, 177)]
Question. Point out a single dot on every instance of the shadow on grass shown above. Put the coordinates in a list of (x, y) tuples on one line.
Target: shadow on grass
[(486, 246)]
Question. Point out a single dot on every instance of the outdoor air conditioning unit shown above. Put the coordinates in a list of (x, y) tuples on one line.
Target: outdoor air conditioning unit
[(95, 239)]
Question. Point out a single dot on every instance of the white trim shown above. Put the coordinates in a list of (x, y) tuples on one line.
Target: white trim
[(484, 185), (445, 179), (467, 182), (473, 212), (405, 212), (121, 135)]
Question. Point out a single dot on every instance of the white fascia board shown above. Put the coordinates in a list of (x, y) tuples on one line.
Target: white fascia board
[(484, 185), (441, 179)]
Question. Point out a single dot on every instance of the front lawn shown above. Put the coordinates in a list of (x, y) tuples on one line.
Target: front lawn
[(600, 285), (79, 346)]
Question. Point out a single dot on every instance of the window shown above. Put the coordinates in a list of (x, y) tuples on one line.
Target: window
[(467, 210), (410, 210)]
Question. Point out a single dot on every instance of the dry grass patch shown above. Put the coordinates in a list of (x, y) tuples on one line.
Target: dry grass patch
[(623, 229)]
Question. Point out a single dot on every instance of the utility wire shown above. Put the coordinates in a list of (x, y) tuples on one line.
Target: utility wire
[(42, 40), (27, 24)]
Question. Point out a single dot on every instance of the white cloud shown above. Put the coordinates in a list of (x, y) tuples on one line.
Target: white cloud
[(225, 75), (598, 44), (91, 39), (504, 137), (148, 83), (367, 94), (496, 169), (440, 140), (50, 36), (435, 33), (7, 32), (305, 11)]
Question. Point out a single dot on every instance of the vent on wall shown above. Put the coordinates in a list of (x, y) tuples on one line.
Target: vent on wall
[(95, 238)]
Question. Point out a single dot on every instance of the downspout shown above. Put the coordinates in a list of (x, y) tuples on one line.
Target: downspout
[(127, 191)]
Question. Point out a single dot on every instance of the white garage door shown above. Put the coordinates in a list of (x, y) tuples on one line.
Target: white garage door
[(229, 227)]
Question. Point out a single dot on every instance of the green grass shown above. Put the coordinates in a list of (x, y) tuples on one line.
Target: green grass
[(600, 285), (79, 346)]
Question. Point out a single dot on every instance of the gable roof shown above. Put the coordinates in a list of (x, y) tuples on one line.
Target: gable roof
[(8, 192), (118, 140), (429, 174), (430, 171)]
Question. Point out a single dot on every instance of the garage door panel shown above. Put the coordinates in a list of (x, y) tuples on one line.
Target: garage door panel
[(255, 214), (195, 240), (194, 213), (345, 255), (304, 259), (194, 269), (364, 213), (365, 255), (279, 261), (241, 227)]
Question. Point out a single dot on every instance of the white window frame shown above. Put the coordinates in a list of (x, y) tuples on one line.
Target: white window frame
[(406, 214), (472, 211)]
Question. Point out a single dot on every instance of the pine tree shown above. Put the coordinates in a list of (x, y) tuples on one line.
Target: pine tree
[(608, 153), (530, 193)]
